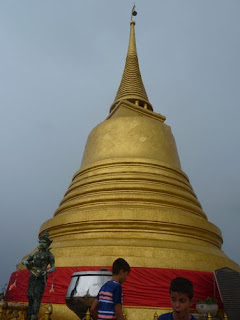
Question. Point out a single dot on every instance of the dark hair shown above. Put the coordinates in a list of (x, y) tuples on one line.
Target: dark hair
[(182, 285), (120, 264)]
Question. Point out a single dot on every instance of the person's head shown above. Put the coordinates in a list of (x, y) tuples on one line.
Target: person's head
[(120, 269), (181, 293)]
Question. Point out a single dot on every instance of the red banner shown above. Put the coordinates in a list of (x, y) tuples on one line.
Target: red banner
[(144, 286)]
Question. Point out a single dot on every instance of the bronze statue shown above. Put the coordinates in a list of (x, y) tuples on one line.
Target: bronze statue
[(37, 264)]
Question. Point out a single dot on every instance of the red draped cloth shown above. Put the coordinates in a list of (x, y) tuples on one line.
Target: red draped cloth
[(147, 287)]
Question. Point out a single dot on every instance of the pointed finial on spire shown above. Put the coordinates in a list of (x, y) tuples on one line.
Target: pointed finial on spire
[(134, 12), (131, 87)]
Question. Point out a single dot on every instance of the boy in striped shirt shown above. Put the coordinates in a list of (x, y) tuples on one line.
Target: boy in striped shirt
[(108, 303)]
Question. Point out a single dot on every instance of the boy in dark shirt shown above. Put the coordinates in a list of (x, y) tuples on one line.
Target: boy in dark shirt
[(181, 293), (108, 303)]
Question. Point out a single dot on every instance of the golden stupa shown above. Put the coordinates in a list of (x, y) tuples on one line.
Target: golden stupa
[(130, 197)]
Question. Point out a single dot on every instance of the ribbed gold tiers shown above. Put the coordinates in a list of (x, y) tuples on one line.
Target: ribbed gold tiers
[(130, 198)]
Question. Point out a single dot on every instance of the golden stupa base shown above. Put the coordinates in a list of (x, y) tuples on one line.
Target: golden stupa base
[(61, 312)]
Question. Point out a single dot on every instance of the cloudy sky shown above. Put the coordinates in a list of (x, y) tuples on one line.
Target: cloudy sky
[(61, 64)]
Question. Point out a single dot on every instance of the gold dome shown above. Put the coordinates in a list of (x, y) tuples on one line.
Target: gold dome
[(131, 194)]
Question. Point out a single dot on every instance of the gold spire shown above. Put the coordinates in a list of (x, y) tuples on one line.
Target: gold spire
[(131, 87)]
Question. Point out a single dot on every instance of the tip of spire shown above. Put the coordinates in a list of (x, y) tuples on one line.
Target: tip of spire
[(134, 12), (131, 87)]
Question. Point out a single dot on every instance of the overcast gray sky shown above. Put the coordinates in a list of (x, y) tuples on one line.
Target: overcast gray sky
[(60, 66)]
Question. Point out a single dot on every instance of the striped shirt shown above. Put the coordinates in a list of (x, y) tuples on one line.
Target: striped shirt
[(109, 295)]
